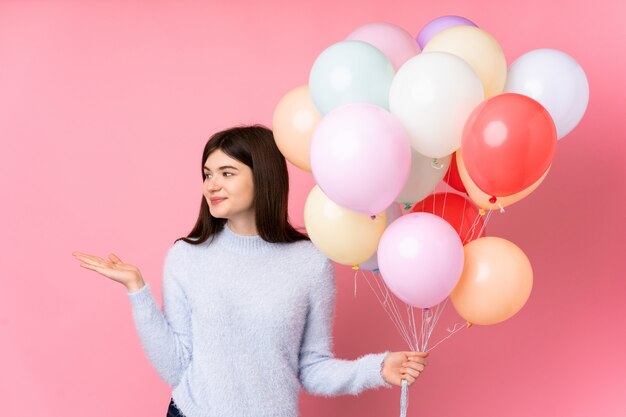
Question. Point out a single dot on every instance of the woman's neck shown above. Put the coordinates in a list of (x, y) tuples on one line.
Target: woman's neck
[(243, 227)]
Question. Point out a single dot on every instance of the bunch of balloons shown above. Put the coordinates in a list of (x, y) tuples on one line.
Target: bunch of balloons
[(386, 117)]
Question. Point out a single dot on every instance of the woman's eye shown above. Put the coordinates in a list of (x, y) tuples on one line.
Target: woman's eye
[(208, 176)]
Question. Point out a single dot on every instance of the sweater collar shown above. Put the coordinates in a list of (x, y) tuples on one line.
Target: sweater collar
[(248, 244)]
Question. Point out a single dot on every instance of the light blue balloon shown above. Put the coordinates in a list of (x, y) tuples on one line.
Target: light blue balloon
[(350, 72)]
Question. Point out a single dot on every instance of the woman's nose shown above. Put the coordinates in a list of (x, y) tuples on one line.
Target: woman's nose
[(212, 184)]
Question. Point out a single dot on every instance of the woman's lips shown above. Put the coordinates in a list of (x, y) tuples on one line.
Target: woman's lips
[(216, 201)]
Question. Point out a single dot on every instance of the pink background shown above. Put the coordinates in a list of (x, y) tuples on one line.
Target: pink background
[(104, 110)]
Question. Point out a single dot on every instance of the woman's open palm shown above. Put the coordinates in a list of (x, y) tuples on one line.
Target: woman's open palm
[(113, 268)]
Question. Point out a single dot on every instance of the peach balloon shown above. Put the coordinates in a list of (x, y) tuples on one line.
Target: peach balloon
[(345, 236), (295, 118), (481, 199), (479, 49), (496, 281)]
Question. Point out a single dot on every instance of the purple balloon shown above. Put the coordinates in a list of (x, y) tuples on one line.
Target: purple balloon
[(420, 258), (437, 25)]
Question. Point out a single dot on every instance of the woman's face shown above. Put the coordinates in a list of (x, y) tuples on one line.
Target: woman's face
[(228, 187)]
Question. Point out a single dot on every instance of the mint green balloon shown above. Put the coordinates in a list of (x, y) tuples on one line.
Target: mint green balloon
[(350, 72)]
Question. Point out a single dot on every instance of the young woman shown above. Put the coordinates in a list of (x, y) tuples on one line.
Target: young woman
[(248, 301)]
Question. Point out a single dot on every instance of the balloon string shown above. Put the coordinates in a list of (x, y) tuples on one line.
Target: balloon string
[(393, 310), (435, 320), (429, 321), (470, 233), (463, 217), (396, 311), (452, 332), (445, 197), (415, 339), (423, 328), (411, 344), (411, 310), (389, 310), (485, 222), (448, 173), (383, 304), (404, 398), (411, 326)]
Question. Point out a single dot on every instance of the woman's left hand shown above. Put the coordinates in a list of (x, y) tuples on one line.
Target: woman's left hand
[(403, 365)]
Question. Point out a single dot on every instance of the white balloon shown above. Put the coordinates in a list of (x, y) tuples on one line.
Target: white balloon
[(556, 81), (424, 176), (433, 94)]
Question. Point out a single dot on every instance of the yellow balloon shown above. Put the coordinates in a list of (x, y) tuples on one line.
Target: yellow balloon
[(481, 199), (345, 236), (496, 281), (295, 118), (479, 49)]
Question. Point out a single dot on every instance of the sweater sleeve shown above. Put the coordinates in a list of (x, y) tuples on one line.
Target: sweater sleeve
[(165, 336), (320, 372)]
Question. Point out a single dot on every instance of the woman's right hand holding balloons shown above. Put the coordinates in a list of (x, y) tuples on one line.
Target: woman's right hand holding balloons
[(403, 365), (114, 268)]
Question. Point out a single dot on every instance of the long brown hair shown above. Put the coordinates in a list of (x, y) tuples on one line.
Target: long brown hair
[(254, 146)]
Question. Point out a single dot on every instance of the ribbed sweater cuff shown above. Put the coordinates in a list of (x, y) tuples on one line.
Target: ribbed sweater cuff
[(141, 298), (373, 365)]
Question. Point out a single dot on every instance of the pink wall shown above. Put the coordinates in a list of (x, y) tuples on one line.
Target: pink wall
[(104, 110)]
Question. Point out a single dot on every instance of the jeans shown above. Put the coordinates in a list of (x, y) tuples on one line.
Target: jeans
[(173, 411)]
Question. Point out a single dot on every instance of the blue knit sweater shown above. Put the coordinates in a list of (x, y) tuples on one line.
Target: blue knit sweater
[(246, 324)]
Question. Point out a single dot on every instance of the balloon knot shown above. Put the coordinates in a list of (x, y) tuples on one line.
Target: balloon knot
[(355, 267), (435, 164), (482, 212), (407, 206), (493, 200), (502, 210), (373, 216), (469, 324), (375, 270)]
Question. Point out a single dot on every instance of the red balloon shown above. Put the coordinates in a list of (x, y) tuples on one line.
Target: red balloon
[(457, 210), (453, 178), (508, 143)]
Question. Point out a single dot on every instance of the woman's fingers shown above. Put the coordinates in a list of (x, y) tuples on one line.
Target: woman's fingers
[(113, 263), (112, 268), (87, 259), (93, 262), (410, 379), (93, 258), (413, 368), (414, 365), (409, 371), (115, 259), (418, 359), (94, 268), (422, 354)]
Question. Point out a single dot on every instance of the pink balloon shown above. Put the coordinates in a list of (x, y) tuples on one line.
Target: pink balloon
[(420, 257), (397, 44), (360, 157)]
